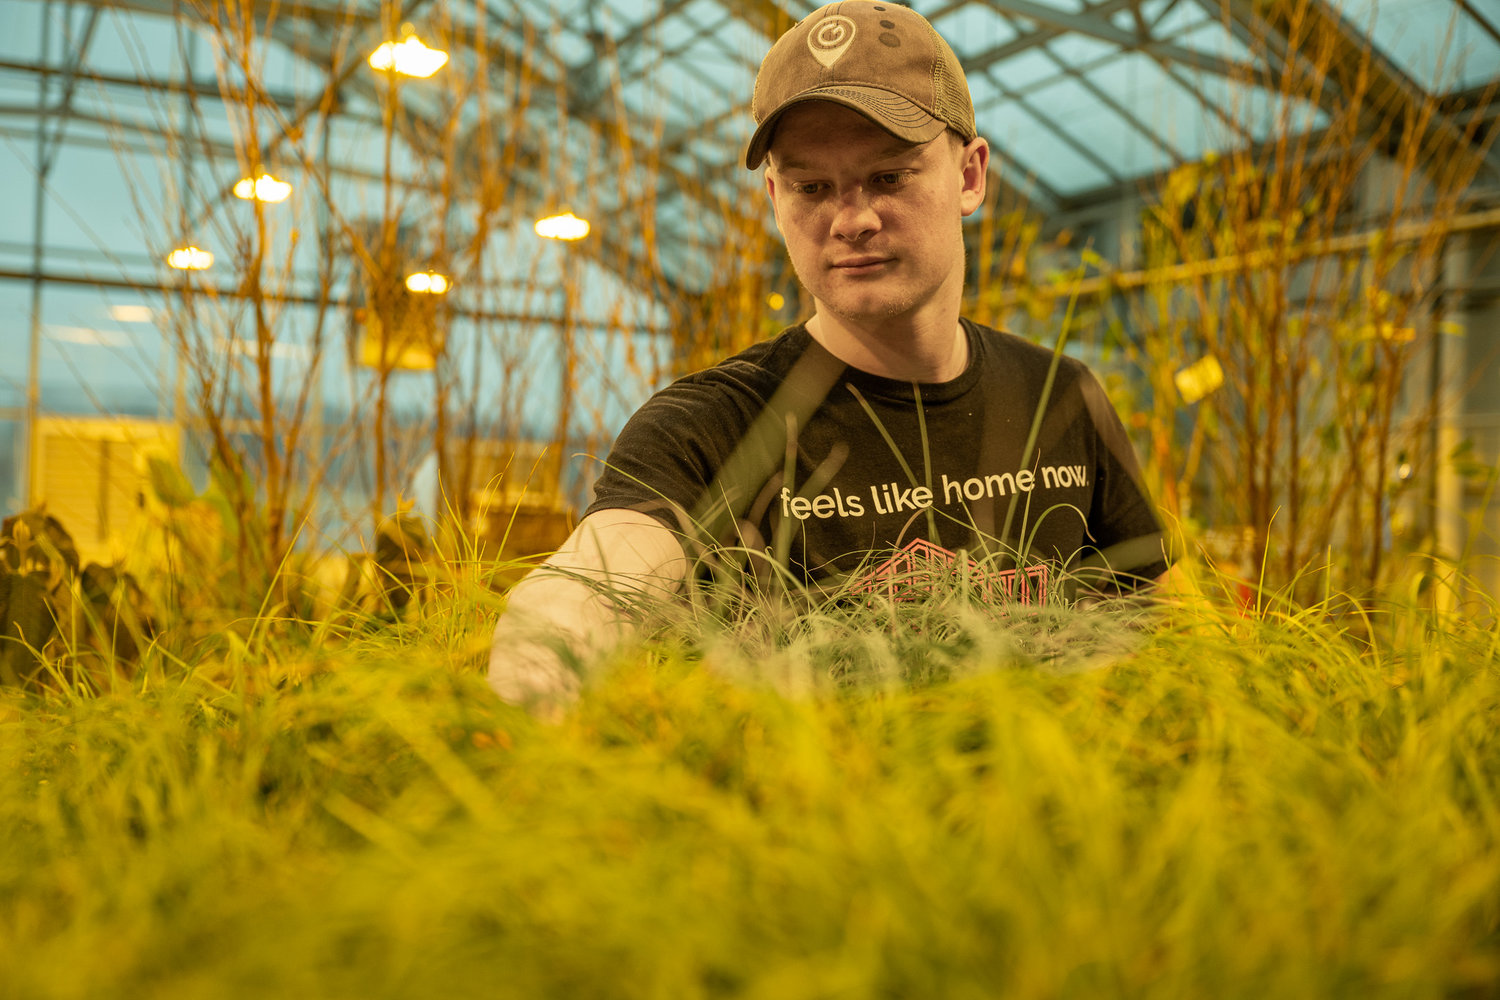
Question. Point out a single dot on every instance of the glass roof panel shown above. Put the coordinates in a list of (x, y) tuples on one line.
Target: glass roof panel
[(707, 14), (673, 32), (748, 44), (984, 91), (20, 31), (1067, 6), (1152, 11), (1131, 153), (570, 48), (281, 70), (1190, 133), (1062, 98), (1023, 71), (1209, 37), (118, 109), (107, 204), (688, 66), (727, 81), (1178, 18), (1080, 50), (1073, 109), (556, 10), (1257, 111), (1145, 90), (675, 92), (722, 143), (972, 30), (1023, 25), (127, 45), (621, 16), (18, 92), (641, 95), (1434, 42), (17, 174), (1034, 150)]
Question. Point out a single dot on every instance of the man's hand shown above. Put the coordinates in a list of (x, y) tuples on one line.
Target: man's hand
[(569, 609)]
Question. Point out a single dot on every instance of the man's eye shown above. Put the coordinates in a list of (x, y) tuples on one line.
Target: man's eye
[(812, 187), (891, 179)]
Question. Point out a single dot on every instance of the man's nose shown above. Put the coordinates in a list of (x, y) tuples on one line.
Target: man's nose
[(855, 217)]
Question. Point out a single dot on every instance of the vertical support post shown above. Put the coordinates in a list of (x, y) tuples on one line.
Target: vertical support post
[(46, 156), (1449, 365), (568, 355), (188, 43), (30, 473), (327, 234)]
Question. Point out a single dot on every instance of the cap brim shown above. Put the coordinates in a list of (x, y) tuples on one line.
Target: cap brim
[(892, 112)]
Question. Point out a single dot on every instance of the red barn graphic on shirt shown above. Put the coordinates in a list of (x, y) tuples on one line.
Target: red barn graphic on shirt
[(920, 564)]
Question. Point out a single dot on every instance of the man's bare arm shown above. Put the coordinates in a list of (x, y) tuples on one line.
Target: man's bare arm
[(572, 604)]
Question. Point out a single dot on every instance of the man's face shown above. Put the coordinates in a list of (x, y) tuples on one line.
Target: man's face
[(872, 224)]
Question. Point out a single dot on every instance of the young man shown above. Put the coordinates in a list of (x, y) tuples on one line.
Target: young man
[(884, 437)]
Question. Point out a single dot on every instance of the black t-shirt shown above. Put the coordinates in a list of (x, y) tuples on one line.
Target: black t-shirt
[(783, 451)]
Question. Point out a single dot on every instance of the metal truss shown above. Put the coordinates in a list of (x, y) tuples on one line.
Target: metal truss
[(696, 169)]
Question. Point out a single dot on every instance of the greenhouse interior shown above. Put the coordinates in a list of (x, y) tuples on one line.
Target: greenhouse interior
[(322, 320), (234, 243)]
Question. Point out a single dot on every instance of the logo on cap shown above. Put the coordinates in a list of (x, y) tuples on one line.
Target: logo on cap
[(830, 39)]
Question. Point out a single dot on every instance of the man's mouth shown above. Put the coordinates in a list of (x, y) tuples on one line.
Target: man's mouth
[(858, 265)]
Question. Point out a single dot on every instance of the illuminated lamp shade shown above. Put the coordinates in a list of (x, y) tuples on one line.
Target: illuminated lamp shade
[(190, 259), (263, 188), (427, 283), (408, 57), (565, 226), (1199, 379)]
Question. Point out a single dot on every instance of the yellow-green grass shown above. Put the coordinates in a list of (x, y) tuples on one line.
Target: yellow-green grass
[(927, 801)]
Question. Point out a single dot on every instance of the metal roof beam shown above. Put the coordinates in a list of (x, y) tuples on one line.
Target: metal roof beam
[(768, 17), (71, 64), (1483, 20), (1299, 30), (1096, 23), (605, 115), (155, 85), (641, 28), (318, 52), (288, 29), (1087, 83), (336, 12)]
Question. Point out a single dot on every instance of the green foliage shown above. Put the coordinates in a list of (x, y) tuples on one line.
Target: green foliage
[(210, 565), (922, 799), (62, 624)]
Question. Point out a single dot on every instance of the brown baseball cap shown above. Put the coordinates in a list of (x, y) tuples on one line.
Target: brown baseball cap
[(880, 59)]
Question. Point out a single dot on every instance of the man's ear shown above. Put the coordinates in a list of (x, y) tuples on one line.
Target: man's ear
[(771, 193), (975, 164)]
